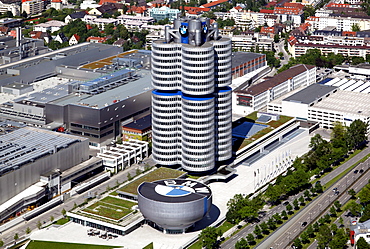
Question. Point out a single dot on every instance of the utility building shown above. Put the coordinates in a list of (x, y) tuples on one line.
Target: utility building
[(191, 103)]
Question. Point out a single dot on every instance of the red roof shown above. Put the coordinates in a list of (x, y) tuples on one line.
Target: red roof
[(107, 1), (287, 11), (196, 9), (271, 4), (88, 26), (268, 30), (304, 26), (342, 5), (56, 1), (12, 33), (76, 36), (294, 5), (212, 4), (266, 11), (98, 39), (238, 8)]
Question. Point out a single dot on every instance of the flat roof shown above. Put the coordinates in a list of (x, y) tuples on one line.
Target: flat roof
[(141, 123), (132, 88), (16, 85), (239, 58), (27, 144), (346, 102), (310, 94)]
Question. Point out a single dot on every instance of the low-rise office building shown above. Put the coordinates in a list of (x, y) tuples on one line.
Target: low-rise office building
[(247, 99)]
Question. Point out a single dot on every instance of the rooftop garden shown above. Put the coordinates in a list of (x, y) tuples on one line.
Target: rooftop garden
[(158, 174), (111, 208), (240, 143)]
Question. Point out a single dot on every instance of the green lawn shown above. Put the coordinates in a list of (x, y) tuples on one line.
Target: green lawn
[(62, 221), (60, 245), (111, 207), (158, 174)]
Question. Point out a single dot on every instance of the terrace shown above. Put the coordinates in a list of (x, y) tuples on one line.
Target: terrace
[(255, 129)]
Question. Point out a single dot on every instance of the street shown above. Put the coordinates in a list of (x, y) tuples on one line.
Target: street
[(278, 209)]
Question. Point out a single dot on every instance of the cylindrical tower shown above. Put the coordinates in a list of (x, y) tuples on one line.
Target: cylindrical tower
[(191, 106), (166, 127), (197, 133)]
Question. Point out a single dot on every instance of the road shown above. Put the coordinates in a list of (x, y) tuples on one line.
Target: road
[(283, 236), (279, 47), (44, 218), (278, 209)]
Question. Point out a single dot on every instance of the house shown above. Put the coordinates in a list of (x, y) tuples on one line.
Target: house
[(120, 42), (137, 11), (75, 16), (94, 39), (4, 30), (213, 4), (56, 4), (106, 8), (41, 35), (74, 39), (61, 38), (50, 26), (89, 4)]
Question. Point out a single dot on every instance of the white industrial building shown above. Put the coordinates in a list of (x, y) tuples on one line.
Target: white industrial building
[(325, 105)]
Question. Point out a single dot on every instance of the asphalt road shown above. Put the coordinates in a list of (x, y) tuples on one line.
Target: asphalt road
[(278, 209), (283, 236), (44, 218)]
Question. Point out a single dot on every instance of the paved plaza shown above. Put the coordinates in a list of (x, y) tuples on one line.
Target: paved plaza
[(246, 182)]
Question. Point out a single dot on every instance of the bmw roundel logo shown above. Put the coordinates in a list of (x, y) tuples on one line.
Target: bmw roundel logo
[(173, 190), (205, 29), (183, 30)]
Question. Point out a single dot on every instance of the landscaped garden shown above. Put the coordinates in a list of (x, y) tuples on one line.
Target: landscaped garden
[(111, 207), (158, 174)]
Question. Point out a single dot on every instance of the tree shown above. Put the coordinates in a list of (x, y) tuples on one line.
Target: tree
[(28, 230), (337, 205), (316, 226), (296, 204), (306, 194), (284, 215), (310, 231), (355, 60), (24, 14), (277, 218), (341, 221), (271, 224), (289, 208), (297, 243), (257, 231), (250, 239), (304, 237), (362, 244), (1, 243), (338, 135), (38, 225), (209, 237), (273, 192), (301, 200), (339, 240), (264, 228), (352, 193), (355, 27), (324, 236), (16, 237), (356, 134), (364, 194), (318, 187), (129, 177), (333, 211), (241, 244), (354, 208), (138, 171), (64, 212), (51, 218), (276, 38)]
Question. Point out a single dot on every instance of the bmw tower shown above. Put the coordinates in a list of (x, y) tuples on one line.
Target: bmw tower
[(191, 100)]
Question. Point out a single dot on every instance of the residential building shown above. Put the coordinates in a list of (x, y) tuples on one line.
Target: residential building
[(94, 39), (249, 41), (299, 49), (61, 38), (74, 39), (49, 26), (164, 12), (75, 16), (247, 99), (14, 8), (342, 23), (191, 74), (56, 4), (89, 4), (32, 7)]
